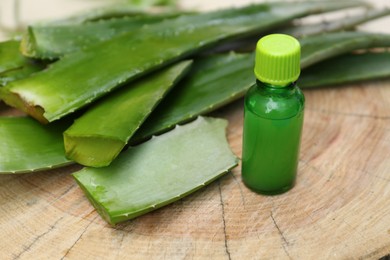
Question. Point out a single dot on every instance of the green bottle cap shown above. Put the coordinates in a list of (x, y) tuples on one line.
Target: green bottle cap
[(278, 59)]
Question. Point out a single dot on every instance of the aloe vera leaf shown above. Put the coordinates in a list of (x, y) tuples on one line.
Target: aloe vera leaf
[(307, 30), (10, 57), (42, 44), (14, 65), (346, 69), (55, 41), (160, 171), (19, 73), (346, 23), (321, 47), (52, 44), (79, 78), (116, 118), (28, 146), (215, 81)]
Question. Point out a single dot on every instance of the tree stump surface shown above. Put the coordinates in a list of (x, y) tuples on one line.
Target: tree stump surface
[(338, 209)]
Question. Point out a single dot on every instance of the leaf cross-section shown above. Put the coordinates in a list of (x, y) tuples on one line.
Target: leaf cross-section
[(97, 137)]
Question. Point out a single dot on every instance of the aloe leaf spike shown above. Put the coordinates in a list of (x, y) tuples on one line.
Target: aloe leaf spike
[(116, 118), (160, 171)]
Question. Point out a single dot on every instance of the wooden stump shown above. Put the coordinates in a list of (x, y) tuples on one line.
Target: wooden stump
[(338, 209)]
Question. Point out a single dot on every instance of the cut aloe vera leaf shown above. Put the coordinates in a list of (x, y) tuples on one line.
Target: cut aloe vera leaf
[(322, 47), (80, 78), (213, 82), (19, 73), (39, 44), (160, 171), (10, 57), (346, 69), (27, 146), (14, 65), (305, 30), (55, 41), (218, 80), (116, 118), (346, 23)]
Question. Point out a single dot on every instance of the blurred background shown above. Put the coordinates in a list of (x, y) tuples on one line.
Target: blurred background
[(16, 14)]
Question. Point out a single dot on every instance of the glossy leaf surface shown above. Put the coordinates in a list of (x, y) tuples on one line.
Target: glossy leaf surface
[(321, 47), (213, 82), (79, 78), (346, 69), (218, 80), (10, 57), (97, 137), (345, 23), (54, 42), (13, 65), (28, 146), (160, 171), (58, 40)]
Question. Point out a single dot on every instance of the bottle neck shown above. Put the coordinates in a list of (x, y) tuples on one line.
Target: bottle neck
[(275, 88)]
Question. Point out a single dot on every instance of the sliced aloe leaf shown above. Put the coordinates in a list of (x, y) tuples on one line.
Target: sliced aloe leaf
[(117, 117), (321, 47), (14, 65), (218, 80), (79, 78), (213, 82), (346, 23), (55, 41), (160, 171), (305, 30), (28, 146), (10, 57), (346, 69), (19, 73), (41, 45)]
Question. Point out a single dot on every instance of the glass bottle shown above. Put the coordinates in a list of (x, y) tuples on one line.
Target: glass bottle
[(273, 117)]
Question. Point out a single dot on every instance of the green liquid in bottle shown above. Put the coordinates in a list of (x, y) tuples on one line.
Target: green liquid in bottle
[(272, 131)]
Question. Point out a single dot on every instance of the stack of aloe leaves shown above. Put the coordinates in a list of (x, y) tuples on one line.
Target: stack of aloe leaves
[(125, 95)]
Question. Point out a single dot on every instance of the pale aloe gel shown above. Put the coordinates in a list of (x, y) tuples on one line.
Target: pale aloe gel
[(160, 171)]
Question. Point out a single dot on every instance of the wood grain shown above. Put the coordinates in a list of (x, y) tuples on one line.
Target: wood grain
[(338, 209)]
